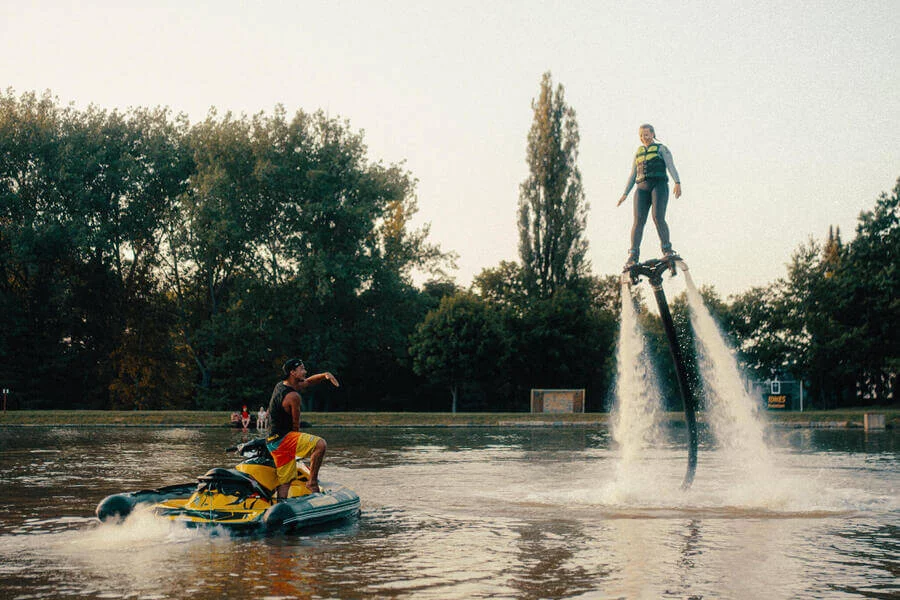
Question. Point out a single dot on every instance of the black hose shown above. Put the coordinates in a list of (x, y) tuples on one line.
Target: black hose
[(653, 270), (684, 387)]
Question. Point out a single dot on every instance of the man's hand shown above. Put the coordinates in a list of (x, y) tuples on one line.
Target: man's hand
[(677, 190), (332, 379)]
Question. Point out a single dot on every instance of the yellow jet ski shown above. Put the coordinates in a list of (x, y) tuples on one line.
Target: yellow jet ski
[(240, 498)]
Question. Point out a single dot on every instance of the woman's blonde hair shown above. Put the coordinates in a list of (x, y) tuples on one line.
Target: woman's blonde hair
[(648, 126)]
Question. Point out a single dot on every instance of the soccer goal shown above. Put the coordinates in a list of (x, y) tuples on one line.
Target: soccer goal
[(557, 401)]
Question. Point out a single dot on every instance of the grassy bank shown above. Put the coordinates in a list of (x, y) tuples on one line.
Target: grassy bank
[(830, 418)]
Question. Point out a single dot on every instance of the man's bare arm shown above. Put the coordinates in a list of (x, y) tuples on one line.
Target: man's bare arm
[(317, 379)]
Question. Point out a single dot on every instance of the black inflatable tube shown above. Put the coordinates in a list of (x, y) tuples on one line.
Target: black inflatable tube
[(119, 506)]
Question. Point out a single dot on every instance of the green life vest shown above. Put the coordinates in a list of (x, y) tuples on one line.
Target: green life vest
[(649, 164)]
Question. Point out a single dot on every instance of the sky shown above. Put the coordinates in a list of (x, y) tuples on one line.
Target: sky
[(783, 118)]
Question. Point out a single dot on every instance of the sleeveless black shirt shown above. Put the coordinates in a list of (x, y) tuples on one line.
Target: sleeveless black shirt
[(280, 419)]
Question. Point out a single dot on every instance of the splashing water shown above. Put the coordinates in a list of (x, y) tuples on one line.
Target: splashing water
[(734, 417), (635, 416), (745, 463), (742, 471)]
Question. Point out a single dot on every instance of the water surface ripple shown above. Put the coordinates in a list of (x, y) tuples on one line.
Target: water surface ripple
[(465, 513)]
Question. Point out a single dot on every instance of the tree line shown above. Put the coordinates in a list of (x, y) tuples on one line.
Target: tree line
[(149, 263)]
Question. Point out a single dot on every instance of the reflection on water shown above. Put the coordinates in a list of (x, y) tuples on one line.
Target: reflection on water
[(463, 513)]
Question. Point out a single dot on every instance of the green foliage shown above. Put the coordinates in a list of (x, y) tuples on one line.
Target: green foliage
[(866, 284), (503, 286), (552, 206), (462, 340), (290, 212), (833, 320), (564, 341), (83, 196), (148, 263)]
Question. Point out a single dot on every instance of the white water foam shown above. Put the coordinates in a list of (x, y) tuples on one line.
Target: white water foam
[(739, 476), (124, 555), (742, 455), (636, 413), (733, 415)]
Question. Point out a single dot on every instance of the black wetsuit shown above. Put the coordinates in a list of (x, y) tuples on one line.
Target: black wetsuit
[(652, 192)]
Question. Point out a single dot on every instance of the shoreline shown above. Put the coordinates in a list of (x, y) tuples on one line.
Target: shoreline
[(833, 419)]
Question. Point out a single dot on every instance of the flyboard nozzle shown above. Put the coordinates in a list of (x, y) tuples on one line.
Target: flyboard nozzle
[(652, 269), (672, 261)]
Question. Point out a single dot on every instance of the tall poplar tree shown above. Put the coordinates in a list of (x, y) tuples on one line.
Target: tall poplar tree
[(552, 206)]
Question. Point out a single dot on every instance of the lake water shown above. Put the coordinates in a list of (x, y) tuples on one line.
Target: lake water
[(465, 513)]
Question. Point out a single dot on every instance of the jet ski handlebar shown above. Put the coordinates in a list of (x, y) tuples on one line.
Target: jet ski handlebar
[(253, 447)]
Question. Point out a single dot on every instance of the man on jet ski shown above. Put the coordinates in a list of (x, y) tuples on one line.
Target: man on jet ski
[(286, 442)]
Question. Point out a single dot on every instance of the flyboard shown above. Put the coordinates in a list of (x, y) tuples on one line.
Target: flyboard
[(653, 270)]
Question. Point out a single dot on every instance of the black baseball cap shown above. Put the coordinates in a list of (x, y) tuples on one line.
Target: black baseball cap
[(290, 365)]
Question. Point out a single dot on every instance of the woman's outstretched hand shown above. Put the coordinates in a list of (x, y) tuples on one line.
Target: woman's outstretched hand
[(621, 200)]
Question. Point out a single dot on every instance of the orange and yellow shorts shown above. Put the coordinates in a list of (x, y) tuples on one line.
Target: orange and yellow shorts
[(287, 450)]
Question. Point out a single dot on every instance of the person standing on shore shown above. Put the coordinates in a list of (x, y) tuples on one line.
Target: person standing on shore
[(286, 442), (648, 171)]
